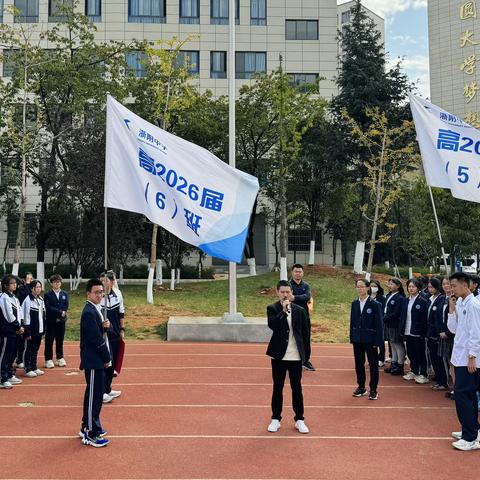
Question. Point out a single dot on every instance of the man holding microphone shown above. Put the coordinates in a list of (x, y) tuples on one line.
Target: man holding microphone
[(287, 347)]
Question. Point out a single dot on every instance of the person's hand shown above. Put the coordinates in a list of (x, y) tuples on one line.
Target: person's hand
[(291, 297), (106, 365), (443, 335), (452, 302), (106, 324), (28, 338), (122, 334), (472, 365), (20, 331), (64, 314), (286, 305)]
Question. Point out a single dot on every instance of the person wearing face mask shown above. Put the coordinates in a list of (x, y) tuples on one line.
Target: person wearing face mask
[(376, 293)]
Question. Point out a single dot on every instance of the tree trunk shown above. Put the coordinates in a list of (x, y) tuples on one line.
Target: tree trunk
[(334, 251), (283, 230)]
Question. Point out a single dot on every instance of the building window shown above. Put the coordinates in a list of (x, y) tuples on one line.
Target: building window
[(30, 115), (136, 63), (29, 232), (258, 12), (301, 29), (299, 240), (93, 10), (56, 9), (188, 59), (346, 17), (219, 12), (189, 11), (28, 11), (304, 81), (9, 61), (218, 64), (147, 11), (249, 63)]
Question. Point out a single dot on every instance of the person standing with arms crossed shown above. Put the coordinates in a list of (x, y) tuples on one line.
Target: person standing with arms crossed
[(94, 359)]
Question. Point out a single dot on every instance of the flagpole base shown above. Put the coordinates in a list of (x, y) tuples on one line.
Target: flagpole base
[(233, 318)]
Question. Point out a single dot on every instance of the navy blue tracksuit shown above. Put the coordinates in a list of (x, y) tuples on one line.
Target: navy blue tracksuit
[(366, 335), (10, 324), (94, 354), (302, 294), (33, 318), (55, 330)]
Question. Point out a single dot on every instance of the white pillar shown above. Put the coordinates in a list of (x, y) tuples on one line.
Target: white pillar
[(41, 272), (359, 254), (151, 272), (15, 267), (172, 279), (311, 258), (159, 273), (253, 267), (283, 268)]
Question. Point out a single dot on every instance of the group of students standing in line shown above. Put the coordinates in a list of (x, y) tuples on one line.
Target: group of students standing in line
[(436, 325), (25, 318)]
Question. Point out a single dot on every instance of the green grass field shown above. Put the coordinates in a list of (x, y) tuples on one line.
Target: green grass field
[(333, 292)]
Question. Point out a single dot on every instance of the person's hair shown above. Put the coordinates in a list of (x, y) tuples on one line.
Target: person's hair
[(380, 288), (364, 280), (476, 279), (93, 282), (436, 283), (425, 279), (283, 283), (55, 278), (461, 277), (297, 265), (27, 274), (399, 283), (108, 274), (6, 280), (417, 282), (32, 285)]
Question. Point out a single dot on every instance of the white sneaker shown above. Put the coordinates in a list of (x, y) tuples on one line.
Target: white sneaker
[(380, 363), (61, 362), (388, 360), (301, 427), (458, 435), (31, 374), (114, 393), (107, 398), (39, 372), (465, 446), (49, 364), (409, 376), (21, 365), (421, 379), (7, 385), (274, 425), (14, 380)]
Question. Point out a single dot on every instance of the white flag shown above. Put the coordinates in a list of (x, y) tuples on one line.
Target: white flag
[(450, 150), (176, 184)]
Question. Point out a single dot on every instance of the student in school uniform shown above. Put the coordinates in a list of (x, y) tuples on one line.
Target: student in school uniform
[(424, 287), (366, 336), (34, 323), (290, 335), (434, 327), (445, 344), (56, 304), (22, 292), (391, 320), (10, 328), (376, 293), (413, 327), (94, 359), (474, 285), (464, 321)]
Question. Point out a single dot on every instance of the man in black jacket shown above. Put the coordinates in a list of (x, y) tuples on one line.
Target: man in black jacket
[(94, 358), (287, 349)]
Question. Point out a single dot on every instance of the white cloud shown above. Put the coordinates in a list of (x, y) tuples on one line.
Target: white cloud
[(418, 70), (387, 8)]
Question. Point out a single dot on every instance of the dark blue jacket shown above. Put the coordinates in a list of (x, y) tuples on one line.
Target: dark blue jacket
[(381, 300), (94, 352), (55, 306), (391, 317), (419, 316), (435, 317), (301, 292), (366, 326)]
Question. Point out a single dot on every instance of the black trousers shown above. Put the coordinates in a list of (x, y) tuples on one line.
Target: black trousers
[(308, 348), (114, 347), (31, 352), (466, 386), (360, 350), (20, 349), (416, 352), (382, 351), (8, 352), (55, 332), (93, 400), (439, 364), (279, 373)]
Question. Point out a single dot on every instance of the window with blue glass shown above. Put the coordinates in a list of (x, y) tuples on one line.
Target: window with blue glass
[(258, 12), (189, 59), (56, 9), (136, 62), (301, 29), (218, 64), (147, 11), (27, 11), (219, 12), (247, 64), (189, 11), (93, 10)]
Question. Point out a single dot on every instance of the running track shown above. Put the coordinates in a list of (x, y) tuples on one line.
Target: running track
[(200, 411)]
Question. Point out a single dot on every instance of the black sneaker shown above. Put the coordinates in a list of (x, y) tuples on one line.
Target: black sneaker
[(309, 366), (359, 392), (373, 395)]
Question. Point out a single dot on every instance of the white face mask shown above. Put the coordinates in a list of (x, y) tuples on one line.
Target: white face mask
[(374, 289)]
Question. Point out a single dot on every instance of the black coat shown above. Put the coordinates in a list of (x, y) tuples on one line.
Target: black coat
[(55, 306), (366, 326), (435, 317), (94, 352), (301, 292), (277, 321), (391, 317), (419, 316)]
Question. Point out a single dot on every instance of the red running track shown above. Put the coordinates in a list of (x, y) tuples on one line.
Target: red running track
[(200, 411)]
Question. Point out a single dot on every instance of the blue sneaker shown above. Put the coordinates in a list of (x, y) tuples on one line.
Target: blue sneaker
[(96, 442)]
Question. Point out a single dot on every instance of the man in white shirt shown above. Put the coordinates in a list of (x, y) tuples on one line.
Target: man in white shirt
[(464, 322)]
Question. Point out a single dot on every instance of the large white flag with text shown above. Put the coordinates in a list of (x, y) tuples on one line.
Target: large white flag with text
[(176, 184), (450, 150)]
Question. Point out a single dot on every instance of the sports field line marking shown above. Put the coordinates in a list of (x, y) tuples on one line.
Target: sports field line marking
[(216, 344), (167, 405), (160, 367), (233, 354), (228, 437)]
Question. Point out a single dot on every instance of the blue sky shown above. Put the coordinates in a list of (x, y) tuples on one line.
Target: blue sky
[(406, 32)]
